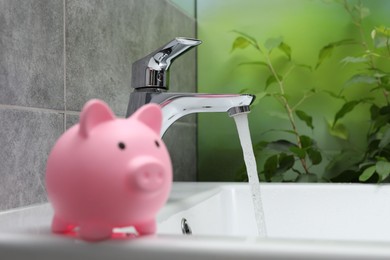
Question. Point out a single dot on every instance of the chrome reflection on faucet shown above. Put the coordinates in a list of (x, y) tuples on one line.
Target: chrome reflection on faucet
[(150, 81), (152, 71)]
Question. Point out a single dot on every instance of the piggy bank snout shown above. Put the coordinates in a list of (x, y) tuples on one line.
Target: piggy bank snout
[(147, 173)]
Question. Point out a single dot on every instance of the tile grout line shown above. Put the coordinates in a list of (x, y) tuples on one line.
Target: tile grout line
[(31, 109), (64, 62), (68, 112)]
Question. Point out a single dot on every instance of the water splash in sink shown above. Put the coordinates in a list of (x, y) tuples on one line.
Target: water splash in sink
[(251, 167)]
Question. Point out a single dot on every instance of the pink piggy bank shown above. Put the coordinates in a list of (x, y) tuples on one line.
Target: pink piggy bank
[(108, 172)]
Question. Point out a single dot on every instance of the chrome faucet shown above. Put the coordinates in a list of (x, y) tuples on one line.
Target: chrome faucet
[(150, 80)]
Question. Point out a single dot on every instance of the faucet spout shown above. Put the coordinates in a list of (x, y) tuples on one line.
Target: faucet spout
[(177, 105)]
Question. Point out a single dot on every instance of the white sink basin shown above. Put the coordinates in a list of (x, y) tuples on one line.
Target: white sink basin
[(304, 221)]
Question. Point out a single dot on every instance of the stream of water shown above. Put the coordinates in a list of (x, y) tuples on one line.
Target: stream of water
[(251, 167)]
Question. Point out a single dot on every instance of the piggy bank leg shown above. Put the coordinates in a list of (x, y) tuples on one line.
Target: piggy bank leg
[(146, 228), (93, 231), (58, 225)]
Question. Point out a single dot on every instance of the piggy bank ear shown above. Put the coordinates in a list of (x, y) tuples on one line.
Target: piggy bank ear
[(151, 116), (94, 112)]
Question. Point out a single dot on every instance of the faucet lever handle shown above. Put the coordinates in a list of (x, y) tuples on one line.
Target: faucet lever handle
[(152, 71)]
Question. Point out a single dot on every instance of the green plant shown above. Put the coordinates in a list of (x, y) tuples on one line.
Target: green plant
[(371, 164), (293, 160), (297, 156)]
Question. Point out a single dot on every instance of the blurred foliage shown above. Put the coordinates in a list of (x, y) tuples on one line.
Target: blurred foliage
[(293, 161)]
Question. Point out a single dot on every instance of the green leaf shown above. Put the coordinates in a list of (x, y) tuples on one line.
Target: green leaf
[(277, 165), (365, 164), (327, 50), (305, 66), (247, 36), (273, 43), (347, 60), (338, 130), (385, 140), (383, 169), (381, 36), (259, 147), (381, 121), (314, 156), (280, 145), (270, 166), (286, 162), (374, 111), (334, 95), (240, 43), (306, 141), (301, 153), (277, 178), (346, 160), (382, 30), (372, 147), (305, 118), (345, 109), (385, 110), (286, 49), (381, 42), (271, 79), (280, 130), (344, 42), (361, 78), (367, 173), (380, 75), (260, 95)]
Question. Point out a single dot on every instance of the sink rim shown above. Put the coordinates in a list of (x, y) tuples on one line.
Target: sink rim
[(22, 243)]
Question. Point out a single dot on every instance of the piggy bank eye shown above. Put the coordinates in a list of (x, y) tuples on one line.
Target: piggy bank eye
[(157, 143), (121, 145)]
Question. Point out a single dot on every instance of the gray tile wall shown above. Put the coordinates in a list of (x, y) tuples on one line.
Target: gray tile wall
[(57, 54)]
